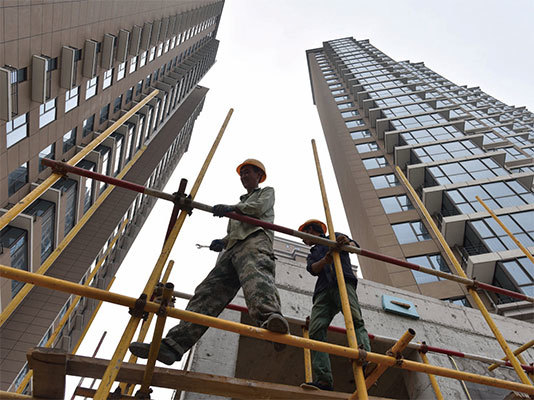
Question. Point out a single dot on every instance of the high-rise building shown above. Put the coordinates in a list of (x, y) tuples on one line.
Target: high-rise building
[(69, 71), (452, 143)]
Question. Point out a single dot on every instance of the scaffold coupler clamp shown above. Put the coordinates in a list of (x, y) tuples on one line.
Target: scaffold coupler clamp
[(362, 356), (182, 200), (307, 323), (424, 348), (143, 395), (57, 168), (166, 299), (138, 310), (474, 285), (398, 357)]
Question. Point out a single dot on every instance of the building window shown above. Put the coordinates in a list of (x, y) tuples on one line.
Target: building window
[(354, 123), (360, 134), (69, 140), (16, 130), (488, 233), (69, 188), (104, 114), (445, 151), (410, 232), (341, 98), (71, 99), (139, 88), (496, 195), (459, 301), (46, 210), (384, 181), (47, 113), (90, 89), (432, 261), (367, 147), (151, 54), (129, 95), (17, 179), (142, 59), (133, 64), (88, 193), (430, 135), (88, 125), (117, 104), (349, 114), (16, 240), (47, 152), (463, 171), (121, 71), (395, 204), (376, 162), (516, 275), (108, 78), (160, 49), (106, 166), (119, 140)]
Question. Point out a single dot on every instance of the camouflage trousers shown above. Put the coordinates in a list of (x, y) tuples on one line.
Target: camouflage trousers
[(248, 264)]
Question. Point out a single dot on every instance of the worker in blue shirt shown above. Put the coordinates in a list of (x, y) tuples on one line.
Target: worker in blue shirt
[(327, 302)]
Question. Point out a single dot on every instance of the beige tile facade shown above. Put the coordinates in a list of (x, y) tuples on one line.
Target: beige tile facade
[(183, 39)]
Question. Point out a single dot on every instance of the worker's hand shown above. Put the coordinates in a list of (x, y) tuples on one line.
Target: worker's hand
[(217, 245), (342, 240), (220, 209), (328, 259)]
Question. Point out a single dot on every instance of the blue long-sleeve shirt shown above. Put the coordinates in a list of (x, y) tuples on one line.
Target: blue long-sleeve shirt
[(327, 277)]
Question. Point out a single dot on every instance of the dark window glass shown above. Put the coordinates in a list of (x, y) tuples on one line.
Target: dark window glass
[(104, 114), (88, 125), (46, 210), (69, 188), (16, 240), (17, 179), (47, 152)]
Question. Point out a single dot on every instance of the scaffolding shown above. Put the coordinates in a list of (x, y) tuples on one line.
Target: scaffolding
[(50, 366)]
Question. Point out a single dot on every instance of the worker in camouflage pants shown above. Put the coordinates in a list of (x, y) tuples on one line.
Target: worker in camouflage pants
[(247, 262)]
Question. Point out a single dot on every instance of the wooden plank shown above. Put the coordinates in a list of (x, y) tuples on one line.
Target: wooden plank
[(188, 381), (49, 370)]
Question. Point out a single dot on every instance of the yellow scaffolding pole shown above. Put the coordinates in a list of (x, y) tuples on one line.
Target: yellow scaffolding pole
[(308, 375), (256, 332), (357, 369), (118, 356), (478, 301), (512, 236), (32, 196), (517, 352), (432, 377)]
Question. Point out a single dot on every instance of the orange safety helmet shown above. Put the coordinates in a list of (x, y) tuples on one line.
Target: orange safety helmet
[(256, 163), (313, 221)]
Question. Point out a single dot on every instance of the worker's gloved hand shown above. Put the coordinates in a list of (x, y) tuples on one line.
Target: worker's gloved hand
[(220, 209), (342, 240), (217, 245)]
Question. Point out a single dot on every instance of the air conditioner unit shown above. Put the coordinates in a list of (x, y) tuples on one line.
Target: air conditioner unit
[(68, 70), (122, 47), (108, 47), (135, 40), (89, 58)]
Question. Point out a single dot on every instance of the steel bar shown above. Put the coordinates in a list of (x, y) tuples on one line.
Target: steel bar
[(510, 234), (255, 332), (395, 351), (384, 339), (474, 295), (357, 369), (48, 182), (118, 356), (432, 377), (517, 352), (62, 168), (94, 355)]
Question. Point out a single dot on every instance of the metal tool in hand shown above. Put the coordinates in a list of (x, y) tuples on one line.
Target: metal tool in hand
[(201, 246)]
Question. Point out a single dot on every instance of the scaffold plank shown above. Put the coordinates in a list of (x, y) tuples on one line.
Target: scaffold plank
[(177, 379)]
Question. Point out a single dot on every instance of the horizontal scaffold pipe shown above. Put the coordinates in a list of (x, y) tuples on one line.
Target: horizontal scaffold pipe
[(188, 204), (384, 339), (258, 333)]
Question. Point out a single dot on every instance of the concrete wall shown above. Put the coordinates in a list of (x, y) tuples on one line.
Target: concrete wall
[(441, 324)]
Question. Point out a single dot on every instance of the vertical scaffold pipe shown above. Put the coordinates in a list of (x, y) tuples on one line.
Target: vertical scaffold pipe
[(345, 306), (478, 301), (114, 365)]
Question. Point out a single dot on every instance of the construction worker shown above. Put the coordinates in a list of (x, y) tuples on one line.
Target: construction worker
[(247, 262), (327, 301)]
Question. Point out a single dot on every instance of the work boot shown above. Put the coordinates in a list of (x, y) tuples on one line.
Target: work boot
[(276, 323), (317, 385), (166, 354)]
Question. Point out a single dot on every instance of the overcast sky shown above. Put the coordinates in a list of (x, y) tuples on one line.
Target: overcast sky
[(261, 72)]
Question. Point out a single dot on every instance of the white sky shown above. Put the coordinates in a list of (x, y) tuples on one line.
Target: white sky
[(261, 72)]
